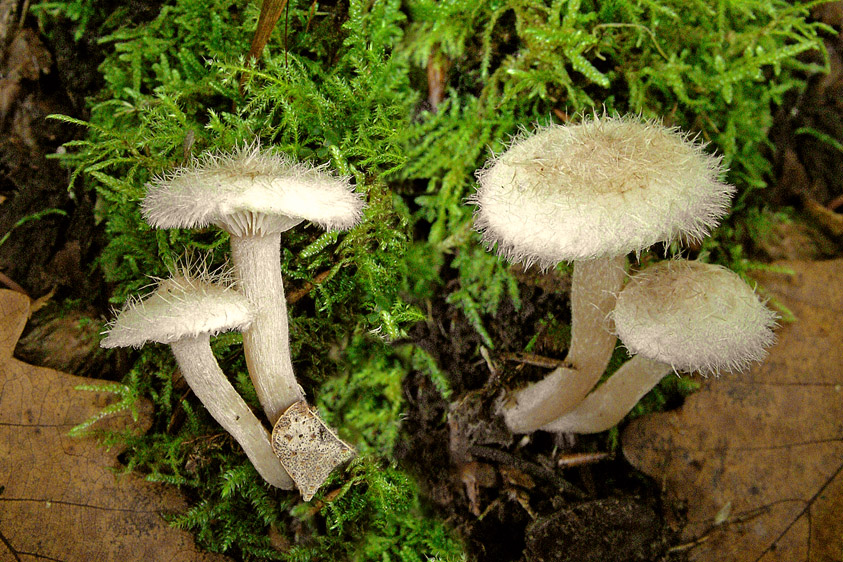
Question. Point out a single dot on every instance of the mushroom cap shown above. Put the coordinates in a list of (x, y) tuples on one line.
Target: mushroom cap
[(693, 316), (180, 307), (604, 187), (250, 191)]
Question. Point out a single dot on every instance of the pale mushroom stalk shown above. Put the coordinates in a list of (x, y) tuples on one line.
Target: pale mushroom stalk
[(605, 407), (594, 288), (595, 285), (200, 369), (266, 342)]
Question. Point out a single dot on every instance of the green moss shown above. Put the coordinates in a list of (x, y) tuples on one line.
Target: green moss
[(717, 69), (345, 86), (375, 515)]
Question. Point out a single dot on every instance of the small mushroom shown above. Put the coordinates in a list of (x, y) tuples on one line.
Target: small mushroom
[(255, 195), (675, 316), (590, 194), (185, 312)]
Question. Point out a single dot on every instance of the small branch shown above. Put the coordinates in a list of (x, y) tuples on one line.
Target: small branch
[(564, 117), (296, 295), (688, 545), (211, 437), (177, 410), (6, 280), (580, 459), (437, 79), (532, 469), (532, 359), (270, 13), (485, 354)]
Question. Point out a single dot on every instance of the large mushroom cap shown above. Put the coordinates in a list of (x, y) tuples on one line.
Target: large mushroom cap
[(605, 187), (250, 191), (181, 307), (693, 316)]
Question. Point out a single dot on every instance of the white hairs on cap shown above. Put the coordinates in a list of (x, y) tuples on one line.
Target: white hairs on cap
[(182, 306), (693, 316), (604, 187), (250, 189)]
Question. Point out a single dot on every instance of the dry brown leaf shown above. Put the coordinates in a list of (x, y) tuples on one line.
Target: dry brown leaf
[(59, 500), (756, 459)]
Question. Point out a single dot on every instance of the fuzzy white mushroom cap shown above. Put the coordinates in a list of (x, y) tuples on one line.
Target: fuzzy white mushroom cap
[(604, 187), (180, 307), (251, 191), (693, 316)]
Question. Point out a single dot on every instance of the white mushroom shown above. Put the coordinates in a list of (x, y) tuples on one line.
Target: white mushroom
[(591, 193), (675, 316), (255, 195), (185, 312)]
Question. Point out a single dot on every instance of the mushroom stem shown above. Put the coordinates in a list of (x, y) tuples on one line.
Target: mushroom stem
[(611, 401), (266, 343), (210, 385), (594, 290), (595, 286)]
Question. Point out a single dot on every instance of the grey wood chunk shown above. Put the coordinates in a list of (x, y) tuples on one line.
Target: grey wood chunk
[(307, 448)]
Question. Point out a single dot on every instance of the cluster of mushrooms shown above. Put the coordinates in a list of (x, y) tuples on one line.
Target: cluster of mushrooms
[(254, 195), (589, 193), (592, 193)]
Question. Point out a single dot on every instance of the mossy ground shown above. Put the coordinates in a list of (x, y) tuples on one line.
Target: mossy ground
[(405, 331)]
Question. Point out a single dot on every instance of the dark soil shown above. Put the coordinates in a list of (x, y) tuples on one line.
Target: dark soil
[(508, 495), (808, 165), (538, 498), (51, 257)]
